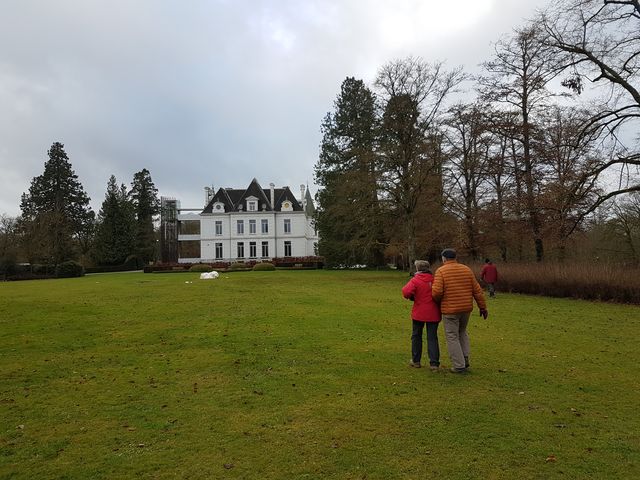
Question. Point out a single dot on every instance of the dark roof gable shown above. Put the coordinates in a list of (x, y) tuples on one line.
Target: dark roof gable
[(282, 194), (233, 197)]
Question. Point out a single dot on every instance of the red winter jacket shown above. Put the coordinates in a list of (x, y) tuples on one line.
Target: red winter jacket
[(489, 273), (418, 289)]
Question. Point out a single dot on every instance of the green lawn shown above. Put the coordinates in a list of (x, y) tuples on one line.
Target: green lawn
[(287, 375)]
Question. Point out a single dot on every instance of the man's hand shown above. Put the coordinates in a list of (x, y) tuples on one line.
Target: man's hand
[(483, 313)]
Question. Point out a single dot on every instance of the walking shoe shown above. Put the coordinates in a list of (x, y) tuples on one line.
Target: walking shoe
[(414, 364), (458, 370), (434, 368)]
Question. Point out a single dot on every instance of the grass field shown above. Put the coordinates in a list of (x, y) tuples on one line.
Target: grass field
[(287, 375)]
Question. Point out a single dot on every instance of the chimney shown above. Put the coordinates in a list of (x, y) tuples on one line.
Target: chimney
[(207, 195), (302, 195), (272, 186)]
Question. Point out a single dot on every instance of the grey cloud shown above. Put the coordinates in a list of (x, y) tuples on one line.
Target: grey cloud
[(200, 91)]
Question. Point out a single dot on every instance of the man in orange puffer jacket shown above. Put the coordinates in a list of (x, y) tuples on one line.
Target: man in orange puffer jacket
[(455, 287)]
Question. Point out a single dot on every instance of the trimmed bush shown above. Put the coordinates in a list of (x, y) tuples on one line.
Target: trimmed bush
[(263, 267), (39, 269), (134, 262), (8, 266), (239, 266), (200, 267), (69, 269)]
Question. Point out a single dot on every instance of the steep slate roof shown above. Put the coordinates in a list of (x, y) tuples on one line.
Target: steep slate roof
[(309, 207), (233, 197)]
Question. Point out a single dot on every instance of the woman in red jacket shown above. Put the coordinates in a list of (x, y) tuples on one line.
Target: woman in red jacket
[(425, 312)]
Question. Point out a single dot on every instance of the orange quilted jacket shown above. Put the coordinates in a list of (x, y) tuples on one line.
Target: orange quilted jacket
[(455, 286)]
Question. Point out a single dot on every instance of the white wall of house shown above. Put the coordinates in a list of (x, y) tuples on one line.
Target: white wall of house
[(302, 235)]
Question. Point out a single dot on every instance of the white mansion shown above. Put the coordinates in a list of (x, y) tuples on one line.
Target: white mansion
[(247, 224)]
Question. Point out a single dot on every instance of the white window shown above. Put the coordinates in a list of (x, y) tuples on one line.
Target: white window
[(240, 249), (240, 227), (287, 225), (287, 248), (252, 250), (218, 250), (264, 224), (252, 206), (252, 227), (218, 227), (265, 249)]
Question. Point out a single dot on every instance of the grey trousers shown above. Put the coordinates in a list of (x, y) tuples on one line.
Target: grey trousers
[(455, 331)]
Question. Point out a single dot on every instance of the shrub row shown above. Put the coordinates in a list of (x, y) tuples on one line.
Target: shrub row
[(205, 267), (10, 270), (283, 262)]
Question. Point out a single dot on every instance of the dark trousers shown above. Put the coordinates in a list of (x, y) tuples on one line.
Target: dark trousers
[(433, 349)]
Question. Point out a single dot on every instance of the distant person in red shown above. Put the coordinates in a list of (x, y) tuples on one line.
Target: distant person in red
[(489, 275), (425, 312)]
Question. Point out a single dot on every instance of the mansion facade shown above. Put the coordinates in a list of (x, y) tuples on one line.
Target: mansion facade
[(238, 225)]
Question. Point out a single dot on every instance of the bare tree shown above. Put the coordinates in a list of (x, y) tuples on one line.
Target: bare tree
[(468, 145), (505, 206), (600, 45), (8, 236), (626, 222), (413, 94), (568, 157), (517, 77)]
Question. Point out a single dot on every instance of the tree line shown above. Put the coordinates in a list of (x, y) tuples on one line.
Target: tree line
[(541, 153), (57, 224)]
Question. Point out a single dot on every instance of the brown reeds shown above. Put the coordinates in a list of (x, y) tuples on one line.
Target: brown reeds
[(589, 281)]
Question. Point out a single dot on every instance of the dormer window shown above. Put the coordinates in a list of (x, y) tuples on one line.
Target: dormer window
[(252, 206), (218, 207), (286, 206)]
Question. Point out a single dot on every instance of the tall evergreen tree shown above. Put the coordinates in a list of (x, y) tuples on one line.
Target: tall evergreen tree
[(348, 220), (115, 231), (56, 215), (144, 196)]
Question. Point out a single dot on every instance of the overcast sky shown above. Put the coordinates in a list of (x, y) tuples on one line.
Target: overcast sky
[(205, 92)]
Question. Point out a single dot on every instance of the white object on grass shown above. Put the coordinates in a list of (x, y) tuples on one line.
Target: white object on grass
[(209, 275)]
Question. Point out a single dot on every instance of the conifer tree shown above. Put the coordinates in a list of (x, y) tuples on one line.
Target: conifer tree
[(115, 231), (349, 221), (56, 214), (144, 196)]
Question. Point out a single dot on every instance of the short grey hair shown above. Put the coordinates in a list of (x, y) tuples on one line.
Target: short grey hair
[(422, 266)]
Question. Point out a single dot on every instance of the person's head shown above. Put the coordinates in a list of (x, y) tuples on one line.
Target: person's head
[(448, 254), (486, 260), (422, 266)]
